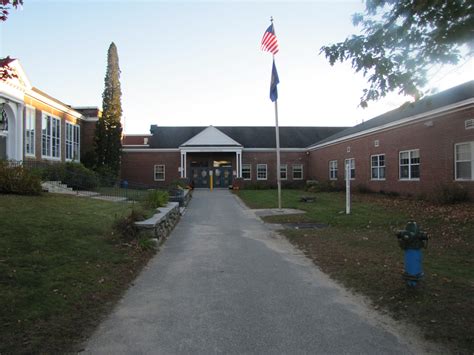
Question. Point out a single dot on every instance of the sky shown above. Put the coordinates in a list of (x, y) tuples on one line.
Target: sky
[(196, 63)]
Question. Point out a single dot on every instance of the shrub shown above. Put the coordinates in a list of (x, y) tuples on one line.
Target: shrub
[(256, 186), (17, 180), (74, 175), (156, 198), (178, 183), (292, 184), (146, 244), (363, 189), (125, 226), (322, 186), (451, 194), (53, 172), (107, 177), (79, 177)]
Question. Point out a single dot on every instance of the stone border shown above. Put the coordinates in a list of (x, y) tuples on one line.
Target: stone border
[(162, 223)]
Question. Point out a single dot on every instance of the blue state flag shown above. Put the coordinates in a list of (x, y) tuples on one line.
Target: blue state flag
[(273, 85)]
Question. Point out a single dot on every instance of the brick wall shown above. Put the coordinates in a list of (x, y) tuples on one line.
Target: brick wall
[(87, 137), (435, 138), (138, 167), (269, 158), (41, 107)]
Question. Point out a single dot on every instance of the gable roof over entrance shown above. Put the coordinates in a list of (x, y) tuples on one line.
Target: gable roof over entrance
[(211, 136)]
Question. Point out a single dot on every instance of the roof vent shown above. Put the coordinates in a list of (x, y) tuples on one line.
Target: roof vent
[(376, 143), (469, 124)]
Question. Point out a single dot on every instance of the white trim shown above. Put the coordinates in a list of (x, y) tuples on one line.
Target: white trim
[(54, 104), (378, 167), (211, 135), (298, 150), (286, 171), (409, 178), (137, 135), (154, 172), (250, 171), (50, 157), (336, 170), (27, 154), (469, 123), (266, 172), (471, 146), (293, 172), (401, 122), (211, 149), (90, 119), (348, 160), (135, 145), (150, 150), (72, 142)]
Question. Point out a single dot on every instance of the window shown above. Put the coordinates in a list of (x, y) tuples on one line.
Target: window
[(283, 172), (410, 165), (464, 161), (159, 173), (72, 141), (333, 170), (352, 168), (30, 131), (378, 167), (261, 171), (247, 171), (51, 137), (298, 172)]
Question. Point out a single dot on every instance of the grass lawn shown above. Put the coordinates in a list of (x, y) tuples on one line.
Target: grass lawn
[(361, 251), (60, 269)]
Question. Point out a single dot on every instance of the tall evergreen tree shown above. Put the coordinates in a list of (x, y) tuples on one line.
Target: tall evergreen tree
[(109, 127)]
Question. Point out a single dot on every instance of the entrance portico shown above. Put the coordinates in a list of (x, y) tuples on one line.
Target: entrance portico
[(211, 152)]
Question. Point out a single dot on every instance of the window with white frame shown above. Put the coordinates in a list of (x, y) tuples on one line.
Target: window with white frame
[(50, 137), (261, 171), (72, 142), (464, 161), (333, 170), (350, 163), (30, 131), (298, 172), (377, 163), (159, 172), (283, 172), (410, 165), (247, 171)]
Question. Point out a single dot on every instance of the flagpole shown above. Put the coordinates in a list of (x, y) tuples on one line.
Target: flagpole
[(277, 134)]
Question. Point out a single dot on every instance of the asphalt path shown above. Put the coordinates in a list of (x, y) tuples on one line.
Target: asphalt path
[(225, 282)]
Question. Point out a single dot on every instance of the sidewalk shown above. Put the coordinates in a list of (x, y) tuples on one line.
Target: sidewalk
[(226, 283)]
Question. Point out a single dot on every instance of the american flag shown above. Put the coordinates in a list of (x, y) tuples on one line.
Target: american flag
[(269, 41)]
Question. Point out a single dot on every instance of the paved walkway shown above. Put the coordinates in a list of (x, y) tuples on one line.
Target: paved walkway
[(225, 283)]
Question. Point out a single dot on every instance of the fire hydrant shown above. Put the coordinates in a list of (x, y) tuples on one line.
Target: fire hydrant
[(412, 240)]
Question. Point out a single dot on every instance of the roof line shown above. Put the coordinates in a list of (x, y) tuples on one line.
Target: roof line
[(401, 122)]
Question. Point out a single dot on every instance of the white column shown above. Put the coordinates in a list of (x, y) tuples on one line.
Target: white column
[(237, 164), (184, 165), (19, 131), (240, 165)]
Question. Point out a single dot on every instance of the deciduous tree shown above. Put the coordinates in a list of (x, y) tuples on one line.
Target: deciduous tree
[(6, 72), (402, 39)]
